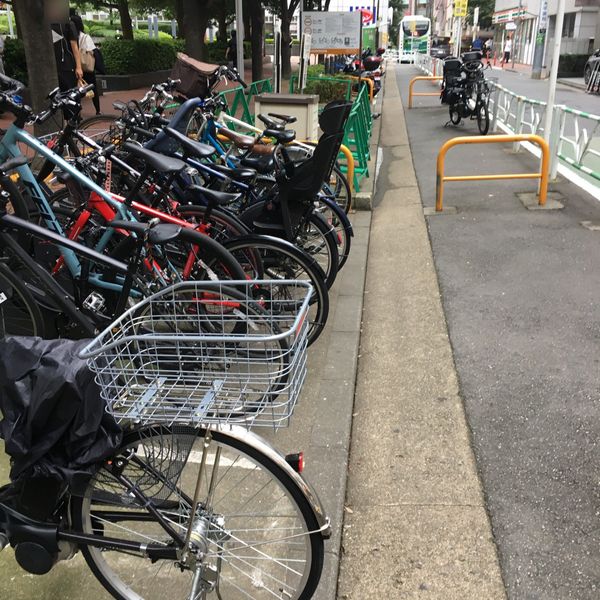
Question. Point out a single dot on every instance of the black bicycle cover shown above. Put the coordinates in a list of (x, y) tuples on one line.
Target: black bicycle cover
[(54, 423)]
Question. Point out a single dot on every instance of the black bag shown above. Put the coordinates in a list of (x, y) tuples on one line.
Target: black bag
[(100, 67), (54, 421)]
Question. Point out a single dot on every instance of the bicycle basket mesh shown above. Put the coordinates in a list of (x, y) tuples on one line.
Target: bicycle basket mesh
[(205, 352)]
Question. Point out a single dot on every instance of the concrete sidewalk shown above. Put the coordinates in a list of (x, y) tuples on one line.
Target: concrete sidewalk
[(416, 523)]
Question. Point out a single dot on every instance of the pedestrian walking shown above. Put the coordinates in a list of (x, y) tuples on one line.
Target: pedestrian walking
[(507, 51), (88, 53), (66, 48)]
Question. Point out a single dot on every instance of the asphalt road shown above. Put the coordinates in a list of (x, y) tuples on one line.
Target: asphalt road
[(520, 293), (537, 89)]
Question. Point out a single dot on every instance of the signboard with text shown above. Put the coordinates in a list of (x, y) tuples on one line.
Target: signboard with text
[(460, 8), (333, 32)]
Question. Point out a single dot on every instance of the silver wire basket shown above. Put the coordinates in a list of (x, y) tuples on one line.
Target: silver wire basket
[(206, 353)]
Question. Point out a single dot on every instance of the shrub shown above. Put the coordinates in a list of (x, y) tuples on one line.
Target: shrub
[(326, 90), (316, 70), (14, 60), (125, 57), (572, 64)]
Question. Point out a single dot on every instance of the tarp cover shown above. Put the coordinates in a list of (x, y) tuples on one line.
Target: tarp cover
[(54, 423)]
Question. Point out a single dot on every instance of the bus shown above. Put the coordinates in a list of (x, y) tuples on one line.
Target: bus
[(414, 36)]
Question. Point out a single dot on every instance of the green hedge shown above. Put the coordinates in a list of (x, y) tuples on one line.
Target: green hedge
[(14, 60), (125, 57), (327, 90), (570, 65)]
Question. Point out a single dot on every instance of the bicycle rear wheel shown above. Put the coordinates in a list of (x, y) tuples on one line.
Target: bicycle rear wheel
[(19, 312), (265, 257), (257, 533)]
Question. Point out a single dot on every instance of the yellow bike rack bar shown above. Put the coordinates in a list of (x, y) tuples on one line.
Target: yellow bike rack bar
[(492, 139), (412, 84)]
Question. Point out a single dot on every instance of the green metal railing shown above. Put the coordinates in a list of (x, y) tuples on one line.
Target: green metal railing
[(238, 99), (237, 104), (262, 86), (358, 135)]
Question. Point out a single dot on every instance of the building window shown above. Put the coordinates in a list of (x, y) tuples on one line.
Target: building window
[(568, 30)]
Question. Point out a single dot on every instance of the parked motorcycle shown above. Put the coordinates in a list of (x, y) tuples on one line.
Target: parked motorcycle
[(466, 90)]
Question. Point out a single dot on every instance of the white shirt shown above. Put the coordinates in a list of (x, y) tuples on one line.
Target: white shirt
[(508, 45), (86, 43)]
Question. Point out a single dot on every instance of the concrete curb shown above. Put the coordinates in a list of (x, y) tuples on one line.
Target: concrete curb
[(573, 84)]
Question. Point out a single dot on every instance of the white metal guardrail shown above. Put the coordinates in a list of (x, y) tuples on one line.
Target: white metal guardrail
[(574, 137)]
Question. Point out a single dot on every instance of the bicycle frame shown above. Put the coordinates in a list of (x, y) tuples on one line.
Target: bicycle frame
[(10, 149), (60, 296)]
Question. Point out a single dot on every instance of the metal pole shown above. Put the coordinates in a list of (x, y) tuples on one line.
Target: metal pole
[(517, 35), (540, 40), (239, 26), (458, 36), (560, 14)]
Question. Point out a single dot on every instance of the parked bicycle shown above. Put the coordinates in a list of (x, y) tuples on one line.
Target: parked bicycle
[(466, 90)]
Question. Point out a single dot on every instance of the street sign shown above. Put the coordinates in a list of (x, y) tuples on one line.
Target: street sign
[(460, 8), (476, 16), (333, 32), (544, 16)]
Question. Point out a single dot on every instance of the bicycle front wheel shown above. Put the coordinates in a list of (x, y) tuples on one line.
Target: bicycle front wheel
[(258, 534)]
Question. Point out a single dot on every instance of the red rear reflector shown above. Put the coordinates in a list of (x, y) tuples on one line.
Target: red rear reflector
[(296, 461)]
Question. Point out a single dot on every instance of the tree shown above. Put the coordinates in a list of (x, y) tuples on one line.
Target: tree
[(285, 10), (197, 14), (39, 52), (257, 22), (486, 12), (122, 6)]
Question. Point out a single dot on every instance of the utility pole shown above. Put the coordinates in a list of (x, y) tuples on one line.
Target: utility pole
[(518, 33), (540, 41), (560, 15)]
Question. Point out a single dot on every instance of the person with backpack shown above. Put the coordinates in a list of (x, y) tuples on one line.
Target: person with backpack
[(66, 48), (88, 52)]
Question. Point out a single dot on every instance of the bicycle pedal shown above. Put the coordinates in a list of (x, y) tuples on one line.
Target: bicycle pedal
[(94, 302)]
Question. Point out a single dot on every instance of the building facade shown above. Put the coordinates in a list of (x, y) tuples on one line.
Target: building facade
[(520, 21)]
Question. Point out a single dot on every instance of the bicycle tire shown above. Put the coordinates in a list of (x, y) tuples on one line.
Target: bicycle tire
[(483, 118), (343, 200), (328, 260), (245, 249), (100, 561), (88, 125), (455, 117), (19, 312), (342, 227)]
